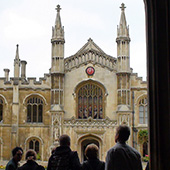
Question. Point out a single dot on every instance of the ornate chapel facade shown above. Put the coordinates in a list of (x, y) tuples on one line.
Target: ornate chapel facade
[(86, 96)]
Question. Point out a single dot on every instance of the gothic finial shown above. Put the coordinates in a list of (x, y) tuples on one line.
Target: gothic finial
[(17, 52), (90, 39), (122, 7), (58, 8)]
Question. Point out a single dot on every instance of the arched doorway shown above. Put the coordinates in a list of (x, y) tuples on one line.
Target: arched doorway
[(84, 144), (87, 139)]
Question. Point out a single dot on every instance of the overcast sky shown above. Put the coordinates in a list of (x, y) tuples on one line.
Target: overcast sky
[(29, 24)]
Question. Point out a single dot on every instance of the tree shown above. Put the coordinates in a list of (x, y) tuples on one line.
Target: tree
[(143, 136)]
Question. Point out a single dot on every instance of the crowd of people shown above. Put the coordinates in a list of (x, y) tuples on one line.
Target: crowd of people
[(119, 157)]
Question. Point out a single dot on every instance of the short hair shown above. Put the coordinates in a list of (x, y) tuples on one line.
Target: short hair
[(91, 151), (15, 150), (64, 140), (29, 153), (123, 133)]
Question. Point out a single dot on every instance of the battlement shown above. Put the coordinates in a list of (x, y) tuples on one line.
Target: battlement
[(26, 82), (137, 81)]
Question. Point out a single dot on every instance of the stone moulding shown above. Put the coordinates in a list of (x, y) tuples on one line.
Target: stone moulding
[(89, 131), (95, 58), (90, 122)]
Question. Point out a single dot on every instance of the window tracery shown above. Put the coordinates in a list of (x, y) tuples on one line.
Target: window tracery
[(90, 101), (34, 110), (34, 144), (143, 115)]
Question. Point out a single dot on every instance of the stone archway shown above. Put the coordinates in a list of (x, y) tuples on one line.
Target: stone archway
[(84, 144), (88, 139)]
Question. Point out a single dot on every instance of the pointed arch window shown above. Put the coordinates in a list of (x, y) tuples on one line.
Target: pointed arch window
[(35, 145), (1, 110), (90, 101), (143, 109), (34, 110)]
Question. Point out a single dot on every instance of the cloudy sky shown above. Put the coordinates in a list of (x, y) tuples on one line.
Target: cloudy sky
[(29, 24)]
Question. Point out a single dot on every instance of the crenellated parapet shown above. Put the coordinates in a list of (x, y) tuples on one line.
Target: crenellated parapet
[(138, 82), (30, 82)]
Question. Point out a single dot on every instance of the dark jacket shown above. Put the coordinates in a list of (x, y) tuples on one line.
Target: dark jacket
[(11, 165), (31, 165), (93, 164), (62, 151)]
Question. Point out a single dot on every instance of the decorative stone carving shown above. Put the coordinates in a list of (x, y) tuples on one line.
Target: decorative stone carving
[(57, 126), (90, 122), (124, 118)]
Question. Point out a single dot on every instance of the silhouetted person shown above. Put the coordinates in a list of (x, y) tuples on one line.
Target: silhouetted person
[(122, 156), (31, 164), (63, 158), (17, 156), (92, 162)]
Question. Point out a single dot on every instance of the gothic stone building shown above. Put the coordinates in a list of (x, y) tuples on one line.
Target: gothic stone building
[(86, 96)]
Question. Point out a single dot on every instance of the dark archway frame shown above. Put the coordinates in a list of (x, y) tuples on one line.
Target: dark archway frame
[(158, 67)]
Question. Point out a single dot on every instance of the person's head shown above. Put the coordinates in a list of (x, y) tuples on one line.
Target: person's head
[(17, 153), (30, 155), (122, 134), (64, 140), (92, 151)]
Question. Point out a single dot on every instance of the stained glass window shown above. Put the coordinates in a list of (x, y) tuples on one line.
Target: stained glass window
[(90, 101), (34, 110)]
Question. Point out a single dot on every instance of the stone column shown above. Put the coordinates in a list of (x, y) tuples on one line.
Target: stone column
[(158, 66)]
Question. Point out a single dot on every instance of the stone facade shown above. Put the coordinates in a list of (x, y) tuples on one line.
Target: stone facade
[(86, 96)]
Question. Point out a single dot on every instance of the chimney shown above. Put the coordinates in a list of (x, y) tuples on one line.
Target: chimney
[(23, 69), (6, 70)]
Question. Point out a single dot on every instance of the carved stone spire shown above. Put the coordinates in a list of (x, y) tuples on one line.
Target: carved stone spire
[(58, 45), (58, 19), (17, 63), (123, 29), (58, 30), (17, 52), (123, 66)]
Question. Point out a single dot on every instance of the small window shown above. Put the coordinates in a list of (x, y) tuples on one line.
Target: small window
[(34, 110), (34, 144), (143, 115)]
